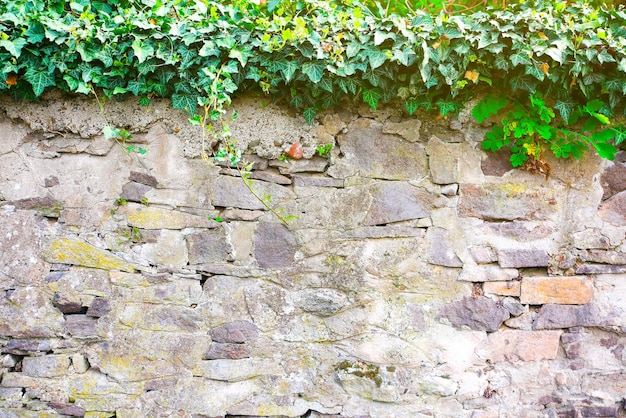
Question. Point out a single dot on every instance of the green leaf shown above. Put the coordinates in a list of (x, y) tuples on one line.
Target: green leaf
[(371, 97), (376, 57), (142, 50), (605, 150), (273, 4), (110, 132), (565, 109), (313, 70), (14, 47), (289, 69), (39, 80), (488, 107), (309, 113), (411, 105), (518, 159), (186, 102)]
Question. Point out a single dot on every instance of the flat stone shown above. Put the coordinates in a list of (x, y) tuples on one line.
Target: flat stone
[(169, 252), (361, 147), (590, 239), (482, 273), (152, 217), (143, 178), (553, 316), (234, 370), (604, 257), (227, 351), (613, 210), (522, 258), (408, 129), (231, 192), (560, 290), (396, 202), (45, 366), (483, 254), (134, 192), (274, 245), (37, 317), (441, 248), (519, 345), (81, 326), (496, 163), (507, 288), (99, 307), (588, 268), (234, 332), (313, 181), (476, 313), (524, 321), (323, 302), (506, 202), (17, 346), (387, 231), (271, 177), (210, 246), (309, 165), (241, 214), (443, 161), (67, 409), (44, 206), (80, 253), (521, 230), (603, 385)]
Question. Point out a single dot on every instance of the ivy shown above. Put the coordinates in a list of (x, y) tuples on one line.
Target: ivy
[(558, 69)]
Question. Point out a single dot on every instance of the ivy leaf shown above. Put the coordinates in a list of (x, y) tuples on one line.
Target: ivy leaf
[(313, 70), (240, 55), (445, 107), (289, 69), (39, 80), (273, 4), (371, 97), (142, 50), (565, 109), (185, 102), (411, 105), (376, 57), (523, 82), (348, 85), (14, 47), (309, 113)]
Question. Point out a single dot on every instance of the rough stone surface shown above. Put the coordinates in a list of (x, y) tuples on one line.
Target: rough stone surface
[(521, 346), (422, 276), (274, 245), (476, 313), (562, 290)]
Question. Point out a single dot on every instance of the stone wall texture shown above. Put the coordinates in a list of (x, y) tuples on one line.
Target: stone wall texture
[(422, 277)]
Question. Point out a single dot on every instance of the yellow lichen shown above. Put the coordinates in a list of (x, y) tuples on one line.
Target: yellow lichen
[(78, 252)]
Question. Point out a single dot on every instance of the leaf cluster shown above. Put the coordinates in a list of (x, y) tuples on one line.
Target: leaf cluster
[(314, 54)]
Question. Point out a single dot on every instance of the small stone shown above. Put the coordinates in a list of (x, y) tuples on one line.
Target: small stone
[(274, 245), (323, 302), (483, 254), (8, 361), (295, 151), (522, 258), (562, 290), (51, 181), (66, 306), (524, 321), (271, 177), (18, 346), (45, 366), (234, 332), (227, 351), (134, 192), (408, 129), (513, 306), (482, 273), (508, 288), (516, 345), (441, 251), (67, 410), (613, 179), (443, 161), (142, 178), (99, 307), (81, 325), (477, 313), (588, 268), (80, 363)]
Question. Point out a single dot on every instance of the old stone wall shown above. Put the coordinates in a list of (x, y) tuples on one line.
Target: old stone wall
[(423, 277)]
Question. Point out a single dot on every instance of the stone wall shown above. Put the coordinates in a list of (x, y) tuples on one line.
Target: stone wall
[(422, 277)]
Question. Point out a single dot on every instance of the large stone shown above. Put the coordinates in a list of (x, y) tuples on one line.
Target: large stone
[(210, 246), (507, 202), (552, 316), (443, 161), (613, 210), (231, 192), (476, 313), (520, 346), (46, 366), (21, 241), (561, 290), (442, 247), (152, 217), (169, 252), (274, 245), (613, 179), (235, 332), (604, 385), (80, 253), (407, 129), (28, 313), (396, 202), (81, 326), (235, 370), (362, 145)]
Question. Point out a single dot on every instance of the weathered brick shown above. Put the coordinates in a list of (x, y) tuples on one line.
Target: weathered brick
[(560, 290), (518, 345), (508, 288)]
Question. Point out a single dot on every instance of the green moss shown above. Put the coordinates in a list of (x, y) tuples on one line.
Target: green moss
[(361, 369)]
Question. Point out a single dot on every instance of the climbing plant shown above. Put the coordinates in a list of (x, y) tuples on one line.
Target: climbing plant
[(555, 72)]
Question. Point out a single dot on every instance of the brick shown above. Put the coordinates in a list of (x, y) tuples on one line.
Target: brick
[(559, 290), (518, 345), (510, 288)]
